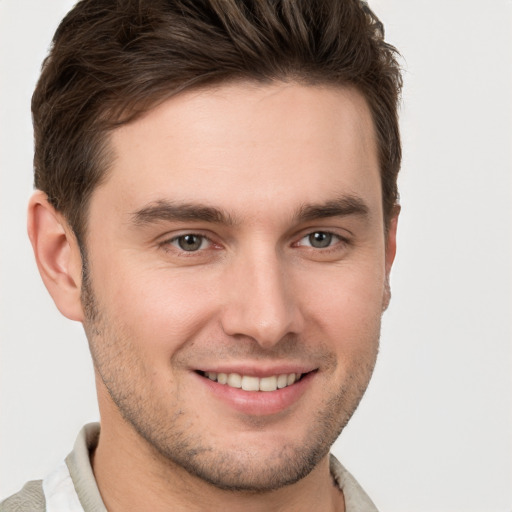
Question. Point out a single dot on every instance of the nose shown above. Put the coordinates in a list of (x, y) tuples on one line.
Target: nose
[(261, 303)]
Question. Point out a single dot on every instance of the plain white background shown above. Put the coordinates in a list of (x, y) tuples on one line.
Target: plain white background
[(434, 432)]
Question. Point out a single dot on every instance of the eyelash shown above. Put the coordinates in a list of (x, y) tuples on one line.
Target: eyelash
[(334, 240), (333, 237), (174, 241)]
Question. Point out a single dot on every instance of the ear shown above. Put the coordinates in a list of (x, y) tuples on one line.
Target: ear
[(390, 253), (57, 255)]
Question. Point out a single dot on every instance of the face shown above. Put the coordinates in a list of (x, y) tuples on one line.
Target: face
[(237, 266)]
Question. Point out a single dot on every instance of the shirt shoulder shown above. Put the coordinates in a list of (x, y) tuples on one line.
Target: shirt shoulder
[(356, 499), (70, 487), (29, 499)]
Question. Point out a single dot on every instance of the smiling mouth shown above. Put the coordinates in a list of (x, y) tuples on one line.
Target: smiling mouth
[(251, 383)]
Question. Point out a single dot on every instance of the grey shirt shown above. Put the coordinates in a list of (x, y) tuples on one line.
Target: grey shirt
[(71, 487)]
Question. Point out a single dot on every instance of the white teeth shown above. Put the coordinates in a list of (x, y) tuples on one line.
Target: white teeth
[(268, 383), (234, 380), (282, 381), (250, 383)]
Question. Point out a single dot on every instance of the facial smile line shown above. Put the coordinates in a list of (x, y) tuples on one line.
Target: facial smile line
[(251, 383)]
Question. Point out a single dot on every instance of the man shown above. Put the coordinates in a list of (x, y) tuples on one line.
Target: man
[(216, 202)]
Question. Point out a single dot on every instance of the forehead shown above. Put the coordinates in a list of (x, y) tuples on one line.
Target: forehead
[(243, 145)]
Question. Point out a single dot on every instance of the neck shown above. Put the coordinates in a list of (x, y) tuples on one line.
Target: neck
[(132, 476)]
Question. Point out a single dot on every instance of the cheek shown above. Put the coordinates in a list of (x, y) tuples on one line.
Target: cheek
[(158, 308), (347, 306)]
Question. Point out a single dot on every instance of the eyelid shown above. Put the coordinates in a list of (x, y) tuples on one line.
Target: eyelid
[(335, 239), (330, 231), (204, 240), (171, 241)]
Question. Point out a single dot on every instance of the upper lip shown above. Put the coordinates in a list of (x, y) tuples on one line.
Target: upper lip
[(258, 370)]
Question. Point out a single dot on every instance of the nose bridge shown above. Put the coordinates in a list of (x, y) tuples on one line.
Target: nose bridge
[(261, 304)]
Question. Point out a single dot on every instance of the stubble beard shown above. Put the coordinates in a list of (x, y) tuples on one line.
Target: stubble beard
[(169, 437)]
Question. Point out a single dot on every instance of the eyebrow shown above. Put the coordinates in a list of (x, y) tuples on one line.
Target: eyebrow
[(340, 207), (180, 212), (169, 211)]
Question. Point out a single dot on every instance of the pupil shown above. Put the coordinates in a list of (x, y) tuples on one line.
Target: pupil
[(320, 239), (190, 242)]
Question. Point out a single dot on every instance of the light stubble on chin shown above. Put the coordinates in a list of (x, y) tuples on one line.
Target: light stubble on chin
[(170, 434)]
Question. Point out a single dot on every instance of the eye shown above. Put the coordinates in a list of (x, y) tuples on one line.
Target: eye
[(190, 242), (320, 239)]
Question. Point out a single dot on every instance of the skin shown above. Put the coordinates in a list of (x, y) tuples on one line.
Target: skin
[(274, 164)]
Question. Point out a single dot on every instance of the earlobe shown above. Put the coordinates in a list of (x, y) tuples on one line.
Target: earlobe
[(57, 255)]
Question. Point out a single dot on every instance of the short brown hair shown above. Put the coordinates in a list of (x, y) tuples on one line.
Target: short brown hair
[(111, 60)]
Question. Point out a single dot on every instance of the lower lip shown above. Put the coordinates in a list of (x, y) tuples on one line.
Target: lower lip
[(259, 403)]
